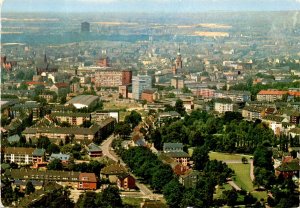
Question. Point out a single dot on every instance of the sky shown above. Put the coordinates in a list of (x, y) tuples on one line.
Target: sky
[(147, 5)]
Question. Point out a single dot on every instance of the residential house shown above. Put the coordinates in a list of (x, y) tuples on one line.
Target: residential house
[(32, 107), (63, 157), (75, 119), (39, 158), (180, 156), (58, 88), (175, 151), (87, 181), (162, 117), (18, 155), (150, 95), (98, 131), (289, 168), (68, 178), (271, 95), (111, 172), (125, 182), (94, 150), (172, 147), (253, 112), (275, 123), (190, 179), (222, 106)]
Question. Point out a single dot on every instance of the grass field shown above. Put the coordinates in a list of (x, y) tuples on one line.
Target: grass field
[(242, 172), (226, 156), (132, 201), (219, 190)]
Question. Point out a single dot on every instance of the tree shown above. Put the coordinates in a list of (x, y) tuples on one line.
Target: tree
[(86, 124), (65, 124), (179, 107), (55, 165), (122, 129), (161, 176), (109, 198), (173, 193), (43, 142), (7, 195), (200, 157), (86, 200), (29, 188), (230, 197), (53, 148), (134, 119), (244, 160), (190, 198)]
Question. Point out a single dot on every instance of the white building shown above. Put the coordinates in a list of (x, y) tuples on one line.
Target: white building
[(140, 83), (221, 107)]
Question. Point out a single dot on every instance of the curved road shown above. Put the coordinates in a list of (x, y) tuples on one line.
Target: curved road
[(106, 149)]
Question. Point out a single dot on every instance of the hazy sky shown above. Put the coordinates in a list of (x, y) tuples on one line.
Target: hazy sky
[(148, 5)]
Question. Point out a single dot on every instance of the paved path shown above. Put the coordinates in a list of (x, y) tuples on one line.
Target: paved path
[(107, 151), (252, 170), (234, 185)]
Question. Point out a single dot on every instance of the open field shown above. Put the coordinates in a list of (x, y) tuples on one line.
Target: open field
[(211, 34), (242, 172), (220, 189), (226, 156), (133, 201)]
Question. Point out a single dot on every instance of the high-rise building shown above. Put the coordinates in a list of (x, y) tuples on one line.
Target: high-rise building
[(139, 84), (85, 27)]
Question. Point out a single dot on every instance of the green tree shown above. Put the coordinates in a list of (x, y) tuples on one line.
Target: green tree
[(43, 142), (55, 164), (109, 198), (190, 198), (87, 200), (244, 160), (230, 196), (161, 176), (123, 129), (134, 119), (179, 107), (200, 157), (29, 188), (173, 193), (53, 148)]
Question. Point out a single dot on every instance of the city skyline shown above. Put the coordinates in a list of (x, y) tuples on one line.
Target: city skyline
[(147, 5)]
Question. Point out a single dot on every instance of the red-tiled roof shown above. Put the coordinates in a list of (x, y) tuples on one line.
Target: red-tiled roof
[(297, 94), (272, 92), (61, 85), (91, 177), (34, 83)]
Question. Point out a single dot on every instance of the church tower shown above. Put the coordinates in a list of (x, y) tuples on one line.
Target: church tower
[(178, 62)]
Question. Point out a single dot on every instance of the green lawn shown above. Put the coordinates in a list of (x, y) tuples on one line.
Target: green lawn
[(220, 189), (226, 156), (132, 201), (242, 172)]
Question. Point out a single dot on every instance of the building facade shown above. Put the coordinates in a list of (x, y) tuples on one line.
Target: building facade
[(112, 78), (139, 84)]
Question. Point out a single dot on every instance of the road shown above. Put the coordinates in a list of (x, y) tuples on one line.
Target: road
[(107, 151)]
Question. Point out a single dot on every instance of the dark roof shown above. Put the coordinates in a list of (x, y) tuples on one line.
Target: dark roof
[(177, 154), (290, 166), (18, 150), (29, 174), (91, 177), (71, 114), (173, 145), (93, 148), (38, 152), (114, 169)]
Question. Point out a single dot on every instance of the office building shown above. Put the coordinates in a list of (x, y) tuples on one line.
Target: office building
[(139, 84)]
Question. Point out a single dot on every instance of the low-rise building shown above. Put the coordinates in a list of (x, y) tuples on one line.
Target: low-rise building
[(111, 172), (94, 150), (190, 179), (125, 182), (253, 113), (75, 119), (95, 132), (18, 155), (64, 158), (87, 181), (83, 101), (172, 147)]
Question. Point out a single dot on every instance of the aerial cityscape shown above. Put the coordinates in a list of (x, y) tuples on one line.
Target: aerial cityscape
[(150, 104)]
